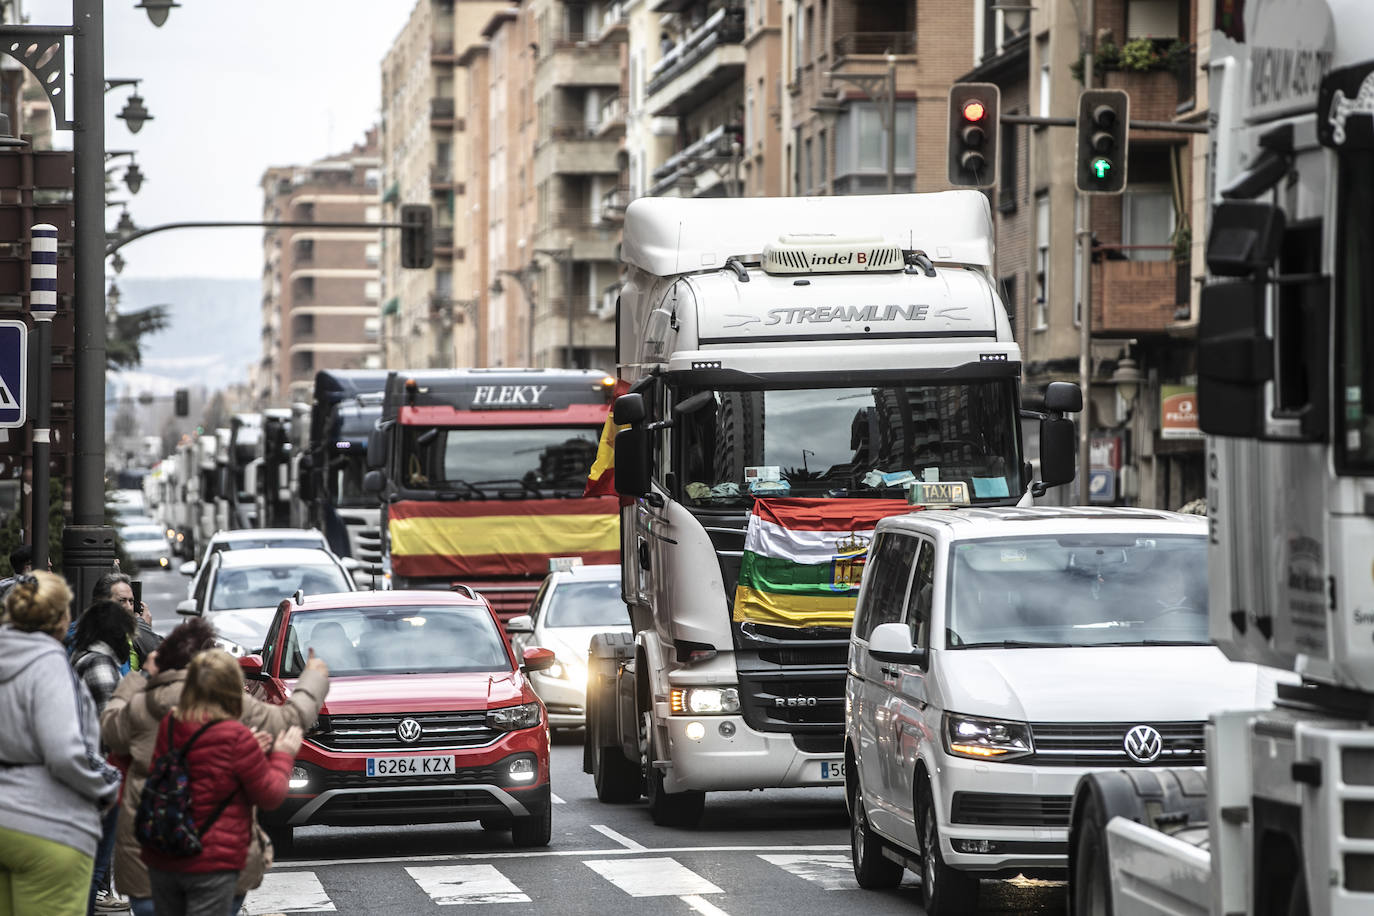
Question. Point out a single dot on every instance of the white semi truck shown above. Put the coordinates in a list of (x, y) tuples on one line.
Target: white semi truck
[(793, 365), (1282, 820)]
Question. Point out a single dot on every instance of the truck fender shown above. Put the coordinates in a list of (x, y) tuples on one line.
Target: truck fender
[(607, 655), (1161, 799)]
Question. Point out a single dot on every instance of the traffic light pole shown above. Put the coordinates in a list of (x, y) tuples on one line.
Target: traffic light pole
[(1085, 317), (115, 244)]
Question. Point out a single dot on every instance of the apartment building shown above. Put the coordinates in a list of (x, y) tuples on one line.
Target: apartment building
[(320, 291), (428, 316), (1146, 264)]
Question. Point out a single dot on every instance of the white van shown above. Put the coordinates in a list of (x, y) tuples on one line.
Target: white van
[(999, 654)]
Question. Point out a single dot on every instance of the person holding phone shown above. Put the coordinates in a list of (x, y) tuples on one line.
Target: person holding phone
[(118, 587)]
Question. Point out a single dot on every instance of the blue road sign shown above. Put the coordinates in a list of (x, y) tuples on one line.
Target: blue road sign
[(1102, 485), (14, 373)]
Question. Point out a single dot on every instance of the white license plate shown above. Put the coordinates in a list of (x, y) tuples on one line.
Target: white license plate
[(410, 766), (832, 770)]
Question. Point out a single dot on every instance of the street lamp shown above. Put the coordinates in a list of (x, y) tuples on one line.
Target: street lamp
[(157, 10), (134, 113), (882, 88), (564, 258), (1126, 378), (133, 175)]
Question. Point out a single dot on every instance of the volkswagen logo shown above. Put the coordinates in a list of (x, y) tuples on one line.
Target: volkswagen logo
[(1143, 744), (410, 731)]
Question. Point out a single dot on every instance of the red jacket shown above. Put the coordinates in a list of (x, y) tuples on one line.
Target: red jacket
[(225, 762)]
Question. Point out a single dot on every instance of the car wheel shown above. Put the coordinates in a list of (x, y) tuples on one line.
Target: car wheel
[(945, 891), (534, 829), (871, 868), (616, 777)]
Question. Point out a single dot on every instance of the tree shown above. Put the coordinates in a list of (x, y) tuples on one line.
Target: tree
[(123, 344)]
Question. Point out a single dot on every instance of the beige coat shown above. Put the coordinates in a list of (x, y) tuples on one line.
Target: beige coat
[(129, 726)]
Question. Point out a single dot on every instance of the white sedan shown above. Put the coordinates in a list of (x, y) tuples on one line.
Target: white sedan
[(147, 544)]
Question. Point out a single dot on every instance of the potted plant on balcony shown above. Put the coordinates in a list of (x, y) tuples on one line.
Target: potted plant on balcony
[(1139, 55)]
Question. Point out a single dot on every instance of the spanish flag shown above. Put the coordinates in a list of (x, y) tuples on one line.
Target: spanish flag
[(601, 477)]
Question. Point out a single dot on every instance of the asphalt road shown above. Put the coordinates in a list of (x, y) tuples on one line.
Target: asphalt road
[(162, 589)]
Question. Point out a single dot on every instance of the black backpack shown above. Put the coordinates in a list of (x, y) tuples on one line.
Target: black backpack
[(164, 822)]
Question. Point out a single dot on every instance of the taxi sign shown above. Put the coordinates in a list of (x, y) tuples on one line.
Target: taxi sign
[(563, 564), (937, 493)]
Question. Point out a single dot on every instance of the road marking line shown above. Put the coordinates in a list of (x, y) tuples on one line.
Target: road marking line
[(289, 892), (556, 800), (448, 885), (657, 877), (832, 873), (703, 906), (620, 838), (541, 854)]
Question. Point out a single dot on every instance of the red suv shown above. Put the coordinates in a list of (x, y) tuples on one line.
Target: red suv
[(430, 716)]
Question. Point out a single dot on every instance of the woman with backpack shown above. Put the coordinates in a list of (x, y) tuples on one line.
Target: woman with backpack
[(130, 725), (103, 638), (54, 785), (207, 773)]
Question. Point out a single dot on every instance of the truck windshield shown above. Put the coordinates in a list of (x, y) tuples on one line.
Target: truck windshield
[(855, 442), (1354, 444), (345, 478), (539, 461), (1080, 590)]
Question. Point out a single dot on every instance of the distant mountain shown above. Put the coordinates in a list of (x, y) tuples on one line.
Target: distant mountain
[(213, 337)]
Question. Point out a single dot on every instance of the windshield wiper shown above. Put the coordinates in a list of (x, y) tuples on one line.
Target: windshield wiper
[(1156, 642), (453, 489), (1016, 644)]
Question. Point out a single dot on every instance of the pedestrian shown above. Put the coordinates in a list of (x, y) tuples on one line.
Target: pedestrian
[(129, 726), (54, 785), (21, 561), (232, 768), (101, 642), (117, 586)]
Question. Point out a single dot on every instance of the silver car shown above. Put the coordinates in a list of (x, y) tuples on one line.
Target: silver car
[(147, 545)]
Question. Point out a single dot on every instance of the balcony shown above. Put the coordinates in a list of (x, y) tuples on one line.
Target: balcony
[(440, 178), (574, 64), (615, 25), (868, 44), (612, 115), (613, 204), (1134, 298), (442, 112), (716, 146), (1154, 97), (592, 237), (446, 309), (576, 150), (442, 52), (710, 58), (443, 240)]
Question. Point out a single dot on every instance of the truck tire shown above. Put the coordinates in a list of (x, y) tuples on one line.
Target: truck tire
[(617, 778), (1090, 890), (945, 891), (872, 870), (673, 809)]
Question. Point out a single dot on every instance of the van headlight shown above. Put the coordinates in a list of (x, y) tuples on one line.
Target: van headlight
[(510, 718), (228, 645), (986, 739), (704, 701)]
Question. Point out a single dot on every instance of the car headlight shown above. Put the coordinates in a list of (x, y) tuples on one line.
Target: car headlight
[(233, 648), (704, 701), (566, 670), (986, 739), (509, 718)]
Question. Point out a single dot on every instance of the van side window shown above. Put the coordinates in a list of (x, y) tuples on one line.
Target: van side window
[(888, 572), (918, 602)]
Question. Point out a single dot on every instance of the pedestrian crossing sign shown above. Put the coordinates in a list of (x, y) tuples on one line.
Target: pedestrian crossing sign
[(14, 373)]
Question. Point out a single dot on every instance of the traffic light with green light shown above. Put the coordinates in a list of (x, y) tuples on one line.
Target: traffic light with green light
[(973, 133), (1104, 116)]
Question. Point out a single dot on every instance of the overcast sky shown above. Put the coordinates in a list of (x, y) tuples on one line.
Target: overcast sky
[(234, 86)]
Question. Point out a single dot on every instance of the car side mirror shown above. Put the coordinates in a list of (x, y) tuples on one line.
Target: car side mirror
[(537, 658), (522, 624), (188, 608), (188, 568), (251, 666), (373, 482), (891, 642)]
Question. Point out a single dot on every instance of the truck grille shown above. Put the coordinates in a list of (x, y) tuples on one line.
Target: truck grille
[(989, 809), (1104, 744), (378, 732), (799, 702)]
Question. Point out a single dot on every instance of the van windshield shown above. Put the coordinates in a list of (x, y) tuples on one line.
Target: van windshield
[(1079, 590), (848, 442)]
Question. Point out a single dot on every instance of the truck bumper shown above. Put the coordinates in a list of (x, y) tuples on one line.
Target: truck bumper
[(729, 755)]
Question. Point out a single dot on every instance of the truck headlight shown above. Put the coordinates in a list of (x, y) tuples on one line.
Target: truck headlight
[(986, 739), (510, 718), (704, 701)]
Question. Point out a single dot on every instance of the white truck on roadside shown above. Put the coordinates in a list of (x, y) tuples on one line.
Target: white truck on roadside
[(793, 366), (1282, 823)]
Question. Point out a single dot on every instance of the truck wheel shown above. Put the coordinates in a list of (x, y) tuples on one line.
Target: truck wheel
[(945, 891), (617, 779), (535, 829), (871, 868), (673, 809), (1090, 891)]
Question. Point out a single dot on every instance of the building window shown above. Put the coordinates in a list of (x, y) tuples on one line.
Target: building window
[(810, 173), (823, 178), (861, 149), (1006, 179), (1042, 47), (1009, 300), (1152, 19), (1042, 262), (1147, 218)]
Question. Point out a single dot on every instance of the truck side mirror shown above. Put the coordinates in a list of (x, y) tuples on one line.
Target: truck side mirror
[(305, 481), (629, 409), (632, 471), (1063, 397), (376, 448), (1058, 447), (373, 482)]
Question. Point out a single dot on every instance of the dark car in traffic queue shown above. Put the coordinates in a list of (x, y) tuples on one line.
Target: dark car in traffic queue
[(430, 717)]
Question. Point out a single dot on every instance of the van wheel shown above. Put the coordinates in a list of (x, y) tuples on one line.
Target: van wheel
[(871, 869), (945, 891), (1091, 889), (617, 779), (535, 829)]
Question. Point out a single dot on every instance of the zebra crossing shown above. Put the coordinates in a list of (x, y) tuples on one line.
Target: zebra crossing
[(704, 882)]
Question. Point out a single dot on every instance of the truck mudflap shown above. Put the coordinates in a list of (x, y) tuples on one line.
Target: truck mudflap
[(1155, 818)]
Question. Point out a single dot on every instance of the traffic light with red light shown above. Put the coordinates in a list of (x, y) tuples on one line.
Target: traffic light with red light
[(973, 132), (1104, 115)]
